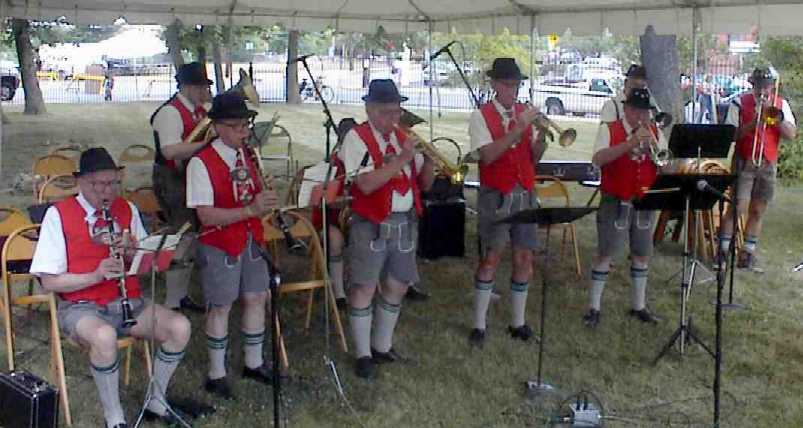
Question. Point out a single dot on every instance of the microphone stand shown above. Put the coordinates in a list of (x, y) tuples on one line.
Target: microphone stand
[(462, 75), (274, 281), (719, 307), (330, 123)]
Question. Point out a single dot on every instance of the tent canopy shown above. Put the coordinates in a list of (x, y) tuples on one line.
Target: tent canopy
[(584, 17)]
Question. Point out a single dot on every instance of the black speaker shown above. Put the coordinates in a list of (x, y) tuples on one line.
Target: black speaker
[(441, 231), (27, 401)]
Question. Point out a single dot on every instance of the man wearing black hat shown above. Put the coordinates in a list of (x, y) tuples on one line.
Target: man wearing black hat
[(72, 259), (501, 132), (612, 109), (225, 188), (386, 204), (621, 151), (756, 169), (172, 122)]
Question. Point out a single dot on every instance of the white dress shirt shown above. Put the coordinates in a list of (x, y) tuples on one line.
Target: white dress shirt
[(50, 256), (168, 124), (478, 130), (353, 151), (199, 185), (735, 107)]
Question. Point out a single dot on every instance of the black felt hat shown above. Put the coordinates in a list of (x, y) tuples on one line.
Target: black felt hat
[(94, 160), (505, 68), (193, 73), (636, 72), (230, 106), (761, 76), (383, 91), (639, 98)]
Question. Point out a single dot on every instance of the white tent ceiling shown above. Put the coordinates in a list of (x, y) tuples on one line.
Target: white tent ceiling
[(773, 17)]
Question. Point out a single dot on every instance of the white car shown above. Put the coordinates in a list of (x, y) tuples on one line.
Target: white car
[(560, 98)]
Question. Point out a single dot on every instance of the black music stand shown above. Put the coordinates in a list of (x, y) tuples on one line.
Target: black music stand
[(545, 217), (673, 191)]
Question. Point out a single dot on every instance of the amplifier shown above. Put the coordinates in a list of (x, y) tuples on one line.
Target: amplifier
[(569, 170), (27, 401), (441, 231)]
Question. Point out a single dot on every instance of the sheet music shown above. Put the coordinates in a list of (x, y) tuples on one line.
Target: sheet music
[(146, 249), (313, 176)]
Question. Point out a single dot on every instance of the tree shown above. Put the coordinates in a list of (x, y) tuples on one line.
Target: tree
[(34, 103), (291, 85), (173, 41)]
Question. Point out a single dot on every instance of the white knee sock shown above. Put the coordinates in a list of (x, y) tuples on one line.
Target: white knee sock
[(216, 347), (598, 279), (164, 366), (252, 348), (482, 297), (360, 321), (107, 381), (639, 287), (518, 303), (386, 315)]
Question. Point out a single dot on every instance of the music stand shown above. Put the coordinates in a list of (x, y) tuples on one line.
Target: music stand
[(700, 141), (673, 191), (545, 217)]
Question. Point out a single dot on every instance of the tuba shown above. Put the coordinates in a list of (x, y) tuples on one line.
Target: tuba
[(244, 88)]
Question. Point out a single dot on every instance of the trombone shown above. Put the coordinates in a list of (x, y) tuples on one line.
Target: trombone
[(765, 116)]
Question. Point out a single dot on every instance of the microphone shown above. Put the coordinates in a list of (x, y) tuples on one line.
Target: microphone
[(300, 58), (703, 186), (798, 267), (442, 50)]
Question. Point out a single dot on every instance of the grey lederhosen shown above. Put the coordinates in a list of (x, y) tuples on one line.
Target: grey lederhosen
[(224, 278), (493, 206), (386, 249), (69, 313), (753, 182), (616, 221)]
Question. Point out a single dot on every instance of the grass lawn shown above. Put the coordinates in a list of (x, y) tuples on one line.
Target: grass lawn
[(444, 383)]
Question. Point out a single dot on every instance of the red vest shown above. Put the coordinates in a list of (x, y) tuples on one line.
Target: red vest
[(187, 121), (624, 177), (772, 134), (515, 166), (377, 206), (231, 238), (84, 255)]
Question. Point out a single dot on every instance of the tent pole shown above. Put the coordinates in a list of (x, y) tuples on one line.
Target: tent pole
[(532, 58), (431, 79), (694, 37)]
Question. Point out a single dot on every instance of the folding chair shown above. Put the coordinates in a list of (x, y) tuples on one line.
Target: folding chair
[(17, 253), (49, 166), (145, 200), (276, 145), (58, 187), (138, 159), (71, 151), (550, 187), (302, 229)]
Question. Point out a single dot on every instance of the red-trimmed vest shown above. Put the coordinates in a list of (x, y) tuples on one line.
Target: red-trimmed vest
[(515, 165), (231, 238), (376, 206), (188, 122), (624, 177), (772, 135), (84, 255)]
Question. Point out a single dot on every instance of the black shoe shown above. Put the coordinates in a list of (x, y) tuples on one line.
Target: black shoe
[(191, 407), (187, 304), (168, 419), (365, 368), (262, 374), (748, 261), (385, 357), (416, 294), (523, 332), (341, 303), (219, 387), (591, 318), (644, 315), (476, 338)]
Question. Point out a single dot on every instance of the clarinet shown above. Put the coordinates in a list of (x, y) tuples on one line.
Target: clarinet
[(117, 254)]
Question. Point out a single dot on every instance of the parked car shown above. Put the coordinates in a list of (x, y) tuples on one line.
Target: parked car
[(9, 80), (579, 98)]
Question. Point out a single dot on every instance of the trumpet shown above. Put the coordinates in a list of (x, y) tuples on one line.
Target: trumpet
[(660, 157), (565, 137), (117, 254), (766, 116), (457, 173)]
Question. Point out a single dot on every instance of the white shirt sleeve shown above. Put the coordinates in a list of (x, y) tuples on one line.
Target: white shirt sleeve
[(478, 131), (137, 228), (733, 115), (199, 185), (788, 116), (603, 138), (419, 162), (168, 125), (352, 153), (608, 113), (50, 256)]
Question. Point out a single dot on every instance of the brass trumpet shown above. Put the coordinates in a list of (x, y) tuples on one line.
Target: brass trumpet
[(660, 157), (565, 137)]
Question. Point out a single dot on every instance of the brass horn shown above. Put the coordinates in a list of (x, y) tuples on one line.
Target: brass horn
[(456, 173), (565, 137), (244, 88)]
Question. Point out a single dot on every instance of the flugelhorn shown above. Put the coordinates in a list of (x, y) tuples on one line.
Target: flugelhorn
[(544, 123), (244, 88), (660, 157), (117, 254), (456, 173)]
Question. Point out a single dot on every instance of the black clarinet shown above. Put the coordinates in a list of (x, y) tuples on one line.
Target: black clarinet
[(117, 254)]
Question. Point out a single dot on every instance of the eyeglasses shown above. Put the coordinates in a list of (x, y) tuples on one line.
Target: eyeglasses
[(237, 126), (509, 83), (102, 185), (389, 111)]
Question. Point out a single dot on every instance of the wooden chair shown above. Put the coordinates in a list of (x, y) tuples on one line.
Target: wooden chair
[(17, 253), (550, 187), (71, 151), (301, 228), (58, 187), (135, 156), (12, 219), (145, 200), (49, 166)]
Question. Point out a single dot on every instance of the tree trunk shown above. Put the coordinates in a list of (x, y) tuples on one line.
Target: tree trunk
[(174, 43), (34, 103), (659, 54), (292, 96), (217, 57)]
